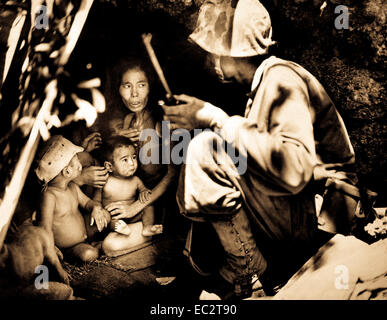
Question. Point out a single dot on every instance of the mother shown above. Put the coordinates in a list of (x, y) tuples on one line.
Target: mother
[(130, 87)]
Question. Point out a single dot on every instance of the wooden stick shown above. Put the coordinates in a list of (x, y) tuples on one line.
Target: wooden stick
[(146, 38)]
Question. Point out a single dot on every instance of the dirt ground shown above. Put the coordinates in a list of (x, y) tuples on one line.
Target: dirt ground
[(148, 271)]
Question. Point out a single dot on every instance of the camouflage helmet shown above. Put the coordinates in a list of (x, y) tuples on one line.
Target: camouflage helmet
[(233, 28)]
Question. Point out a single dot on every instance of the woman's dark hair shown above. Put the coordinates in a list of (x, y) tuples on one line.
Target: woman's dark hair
[(114, 77), (115, 108), (114, 105), (128, 63)]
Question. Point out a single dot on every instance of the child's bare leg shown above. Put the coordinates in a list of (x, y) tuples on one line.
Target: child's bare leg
[(84, 251), (148, 220), (116, 244)]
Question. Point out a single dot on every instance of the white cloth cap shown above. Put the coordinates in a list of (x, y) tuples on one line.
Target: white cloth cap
[(55, 156)]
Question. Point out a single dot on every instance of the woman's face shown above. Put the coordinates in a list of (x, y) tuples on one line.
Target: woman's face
[(134, 89)]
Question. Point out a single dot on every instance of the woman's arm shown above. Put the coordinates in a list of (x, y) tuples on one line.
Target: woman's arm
[(144, 192), (163, 185)]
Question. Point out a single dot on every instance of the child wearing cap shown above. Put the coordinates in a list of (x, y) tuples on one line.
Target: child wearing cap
[(123, 185), (57, 166)]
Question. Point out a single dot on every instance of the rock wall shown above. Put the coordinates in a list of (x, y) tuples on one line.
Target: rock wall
[(351, 65)]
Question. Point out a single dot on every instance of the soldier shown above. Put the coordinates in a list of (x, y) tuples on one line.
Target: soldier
[(291, 136)]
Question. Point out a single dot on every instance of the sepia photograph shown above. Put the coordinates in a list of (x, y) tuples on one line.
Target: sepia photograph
[(190, 158)]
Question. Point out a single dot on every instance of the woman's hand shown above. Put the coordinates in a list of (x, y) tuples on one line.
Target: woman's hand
[(122, 210), (92, 141), (132, 134), (93, 176)]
